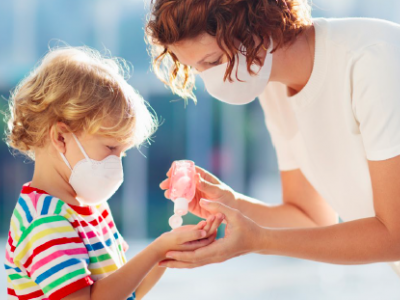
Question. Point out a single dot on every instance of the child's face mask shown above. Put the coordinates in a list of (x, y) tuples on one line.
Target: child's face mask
[(95, 181)]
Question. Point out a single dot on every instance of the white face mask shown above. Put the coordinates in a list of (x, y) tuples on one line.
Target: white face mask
[(95, 181), (238, 92)]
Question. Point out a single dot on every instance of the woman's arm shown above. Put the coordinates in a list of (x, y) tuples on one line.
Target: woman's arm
[(362, 241), (369, 240), (302, 205), (357, 242)]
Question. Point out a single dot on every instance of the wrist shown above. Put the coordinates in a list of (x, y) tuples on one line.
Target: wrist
[(263, 240), (237, 199), (157, 249)]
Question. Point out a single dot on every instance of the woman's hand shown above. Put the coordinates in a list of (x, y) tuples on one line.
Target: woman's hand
[(189, 237), (208, 187), (242, 236)]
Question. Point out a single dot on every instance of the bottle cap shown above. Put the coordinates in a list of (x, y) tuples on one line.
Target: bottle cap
[(181, 206), (175, 221)]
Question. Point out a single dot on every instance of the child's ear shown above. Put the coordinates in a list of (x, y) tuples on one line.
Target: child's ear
[(58, 134)]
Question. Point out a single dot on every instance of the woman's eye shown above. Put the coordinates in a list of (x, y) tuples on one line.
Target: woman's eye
[(216, 63)]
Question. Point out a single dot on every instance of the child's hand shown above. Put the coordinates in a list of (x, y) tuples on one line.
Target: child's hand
[(189, 237)]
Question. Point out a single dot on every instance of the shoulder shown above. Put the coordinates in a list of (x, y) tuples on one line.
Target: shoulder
[(35, 208), (356, 34)]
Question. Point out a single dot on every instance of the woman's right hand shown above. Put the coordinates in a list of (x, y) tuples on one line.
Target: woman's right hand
[(208, 187)]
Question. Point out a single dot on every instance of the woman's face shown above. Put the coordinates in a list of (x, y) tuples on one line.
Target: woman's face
[(200, 53)]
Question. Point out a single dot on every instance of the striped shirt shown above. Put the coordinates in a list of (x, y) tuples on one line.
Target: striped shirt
[(55, 249)]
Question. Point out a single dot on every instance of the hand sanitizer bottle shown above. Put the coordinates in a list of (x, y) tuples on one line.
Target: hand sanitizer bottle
[(182, 189)]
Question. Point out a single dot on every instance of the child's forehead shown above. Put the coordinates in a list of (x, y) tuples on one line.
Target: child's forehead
[(101, 137)]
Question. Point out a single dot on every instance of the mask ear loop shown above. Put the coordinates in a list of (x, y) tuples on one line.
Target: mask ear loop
[(80, 147), (65, 160)]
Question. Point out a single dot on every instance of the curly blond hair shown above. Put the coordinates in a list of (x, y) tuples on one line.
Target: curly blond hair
[(171, 21), (83, 89)]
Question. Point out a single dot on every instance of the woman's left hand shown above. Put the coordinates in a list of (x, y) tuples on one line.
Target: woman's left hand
[(241, 237)]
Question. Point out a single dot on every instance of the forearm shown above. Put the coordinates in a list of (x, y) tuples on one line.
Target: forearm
[(357, 242), (124, 281), (150, 281), (279, 216)]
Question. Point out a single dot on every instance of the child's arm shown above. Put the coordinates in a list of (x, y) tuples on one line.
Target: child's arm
[(123, 282), (210, 226), (149, 281)]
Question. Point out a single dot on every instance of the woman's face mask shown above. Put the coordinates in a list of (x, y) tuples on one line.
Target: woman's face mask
[(238, 92)]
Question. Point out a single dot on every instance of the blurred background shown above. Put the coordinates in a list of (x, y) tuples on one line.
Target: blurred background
[(230, 141)]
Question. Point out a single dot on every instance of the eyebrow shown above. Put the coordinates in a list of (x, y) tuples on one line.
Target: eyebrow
[(208, 55)]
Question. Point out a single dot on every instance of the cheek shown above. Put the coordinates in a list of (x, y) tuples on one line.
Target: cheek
[(73, 155), (98, 152)]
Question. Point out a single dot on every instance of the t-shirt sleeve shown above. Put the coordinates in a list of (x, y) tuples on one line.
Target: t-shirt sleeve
[(52, 254), (376, 100)]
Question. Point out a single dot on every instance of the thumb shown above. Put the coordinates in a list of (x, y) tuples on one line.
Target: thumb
[(215, 207), (207, 187)]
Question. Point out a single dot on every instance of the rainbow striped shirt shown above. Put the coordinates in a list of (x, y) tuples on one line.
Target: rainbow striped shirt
[(55, 249)]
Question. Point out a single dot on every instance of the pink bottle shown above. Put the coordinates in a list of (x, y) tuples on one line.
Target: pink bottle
[(182, 188)]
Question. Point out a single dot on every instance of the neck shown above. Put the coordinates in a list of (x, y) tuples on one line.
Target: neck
[(293, 64), (52, 180)]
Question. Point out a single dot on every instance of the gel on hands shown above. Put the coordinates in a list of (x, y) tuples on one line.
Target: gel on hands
[(182, 189)]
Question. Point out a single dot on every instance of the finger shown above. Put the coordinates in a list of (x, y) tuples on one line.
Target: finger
[(207, 175), (218, 220), (207, 187), (165, 184), (210, 221), (201, 225), (215, 207), (193, 245), (167, 194), (169, 171), (191, 235)]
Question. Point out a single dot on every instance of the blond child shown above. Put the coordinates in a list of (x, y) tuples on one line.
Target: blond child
[(76, 116)]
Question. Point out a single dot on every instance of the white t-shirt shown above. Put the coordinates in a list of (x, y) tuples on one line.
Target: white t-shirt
[(348, 112)]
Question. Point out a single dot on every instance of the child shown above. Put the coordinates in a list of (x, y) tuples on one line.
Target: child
[(76, 116)]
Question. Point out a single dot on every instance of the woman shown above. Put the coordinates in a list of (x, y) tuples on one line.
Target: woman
[(329, 90)]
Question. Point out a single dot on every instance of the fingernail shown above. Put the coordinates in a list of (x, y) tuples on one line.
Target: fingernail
[(203, 233), (204, 201), (162, 265), (169, 255)]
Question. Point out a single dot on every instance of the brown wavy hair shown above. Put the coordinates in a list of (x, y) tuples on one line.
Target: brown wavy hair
[(171, 21)]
